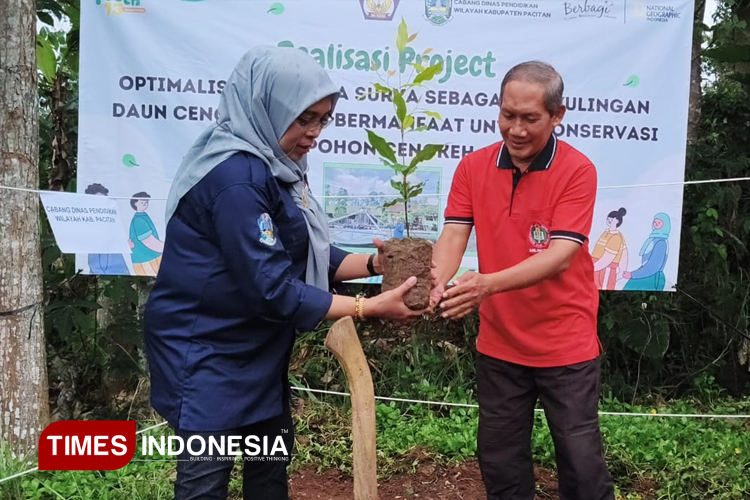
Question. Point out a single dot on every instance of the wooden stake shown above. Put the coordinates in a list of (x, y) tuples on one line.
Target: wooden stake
[(343, 342)]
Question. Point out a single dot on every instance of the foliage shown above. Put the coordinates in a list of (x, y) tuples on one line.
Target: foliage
[(660, 342), (728, 43), (684, 458), (92, 324), (407, 119)]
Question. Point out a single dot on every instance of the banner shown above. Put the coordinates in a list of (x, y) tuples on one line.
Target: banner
[(83, 223), (152, 72)]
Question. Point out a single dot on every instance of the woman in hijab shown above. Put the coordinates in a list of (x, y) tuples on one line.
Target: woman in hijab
[(654, 253), (247, 263)]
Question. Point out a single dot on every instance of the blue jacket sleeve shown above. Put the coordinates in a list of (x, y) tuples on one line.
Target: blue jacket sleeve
[(337, 257), (655, 262), (261, 265)]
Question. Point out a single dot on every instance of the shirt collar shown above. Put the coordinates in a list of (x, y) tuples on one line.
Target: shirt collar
[(541, 162)]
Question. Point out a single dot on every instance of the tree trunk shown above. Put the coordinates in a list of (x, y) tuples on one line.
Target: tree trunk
[(694, 110), (61, 172), (24, 409)]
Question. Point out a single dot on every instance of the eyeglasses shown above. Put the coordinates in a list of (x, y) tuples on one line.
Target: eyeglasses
[(311, 125)]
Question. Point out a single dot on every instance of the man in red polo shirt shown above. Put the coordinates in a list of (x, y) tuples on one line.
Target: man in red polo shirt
[(531, 200)]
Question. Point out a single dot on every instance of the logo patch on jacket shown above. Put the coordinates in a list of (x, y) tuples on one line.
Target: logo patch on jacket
[(538, 237), (265, 225)]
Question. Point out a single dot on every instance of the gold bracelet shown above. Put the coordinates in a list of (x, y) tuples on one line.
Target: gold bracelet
[(359, 306)]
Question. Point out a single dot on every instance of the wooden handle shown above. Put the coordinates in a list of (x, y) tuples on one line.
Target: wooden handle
[(343, 342)]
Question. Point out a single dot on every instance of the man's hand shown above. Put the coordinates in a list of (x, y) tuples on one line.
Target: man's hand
[(436, 295), (467, 293)]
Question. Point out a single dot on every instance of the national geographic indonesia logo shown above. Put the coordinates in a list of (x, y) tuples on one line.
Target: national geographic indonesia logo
[(655, 13)]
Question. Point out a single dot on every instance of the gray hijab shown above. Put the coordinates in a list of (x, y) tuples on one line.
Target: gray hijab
[(268, 89)]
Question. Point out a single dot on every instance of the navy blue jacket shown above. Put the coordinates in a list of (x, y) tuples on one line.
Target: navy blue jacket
[(229, 297)]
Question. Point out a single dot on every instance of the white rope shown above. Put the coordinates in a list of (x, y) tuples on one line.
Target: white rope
[(445, 403), (35, 469), (39, 191), (149, 428), (19, 474), (679, 183), (467, 405), (436, 195)]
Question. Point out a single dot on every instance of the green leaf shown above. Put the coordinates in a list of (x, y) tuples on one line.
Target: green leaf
[(50, 255), (276, 9), (398, 186), (402, 37), (381, 146), (410, 170), (396, 167), (743, 78), (398, 100), (45, 17), (729, 53), (408, 122), (426, 153), (722, 251), (416, 190), (382, 88), (429, 73), (433, 114), (46, 61), (85, 304), (392, 202)]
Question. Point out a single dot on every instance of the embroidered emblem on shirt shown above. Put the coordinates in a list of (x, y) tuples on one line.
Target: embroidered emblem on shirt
[(265, 224), (538, 236)]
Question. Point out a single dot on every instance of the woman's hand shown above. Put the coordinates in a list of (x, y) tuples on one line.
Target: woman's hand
[(377, 262), (390, 304)]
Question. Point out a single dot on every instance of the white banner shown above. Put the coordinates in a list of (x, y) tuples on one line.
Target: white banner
[(152, 71), (83, 223)]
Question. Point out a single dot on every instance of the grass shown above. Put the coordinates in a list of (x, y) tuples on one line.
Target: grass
[(686, 458)]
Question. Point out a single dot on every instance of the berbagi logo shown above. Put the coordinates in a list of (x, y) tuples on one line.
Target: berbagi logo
[(438, 12), (655, 13), (379, 10), (120, 7), (598, 9)]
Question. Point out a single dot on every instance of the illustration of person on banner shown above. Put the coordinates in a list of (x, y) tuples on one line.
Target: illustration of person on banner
[(654, 253), (610, 254), (105, 263), (145, 244), (247, 264), (530, 198)]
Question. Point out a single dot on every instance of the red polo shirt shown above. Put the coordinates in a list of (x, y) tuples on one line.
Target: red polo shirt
[(515, 215)]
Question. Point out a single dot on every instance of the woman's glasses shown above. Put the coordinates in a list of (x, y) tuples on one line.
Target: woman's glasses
[(311, 125)]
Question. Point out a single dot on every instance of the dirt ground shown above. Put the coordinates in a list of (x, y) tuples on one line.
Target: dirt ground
[(430, 482), (461, 482)]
